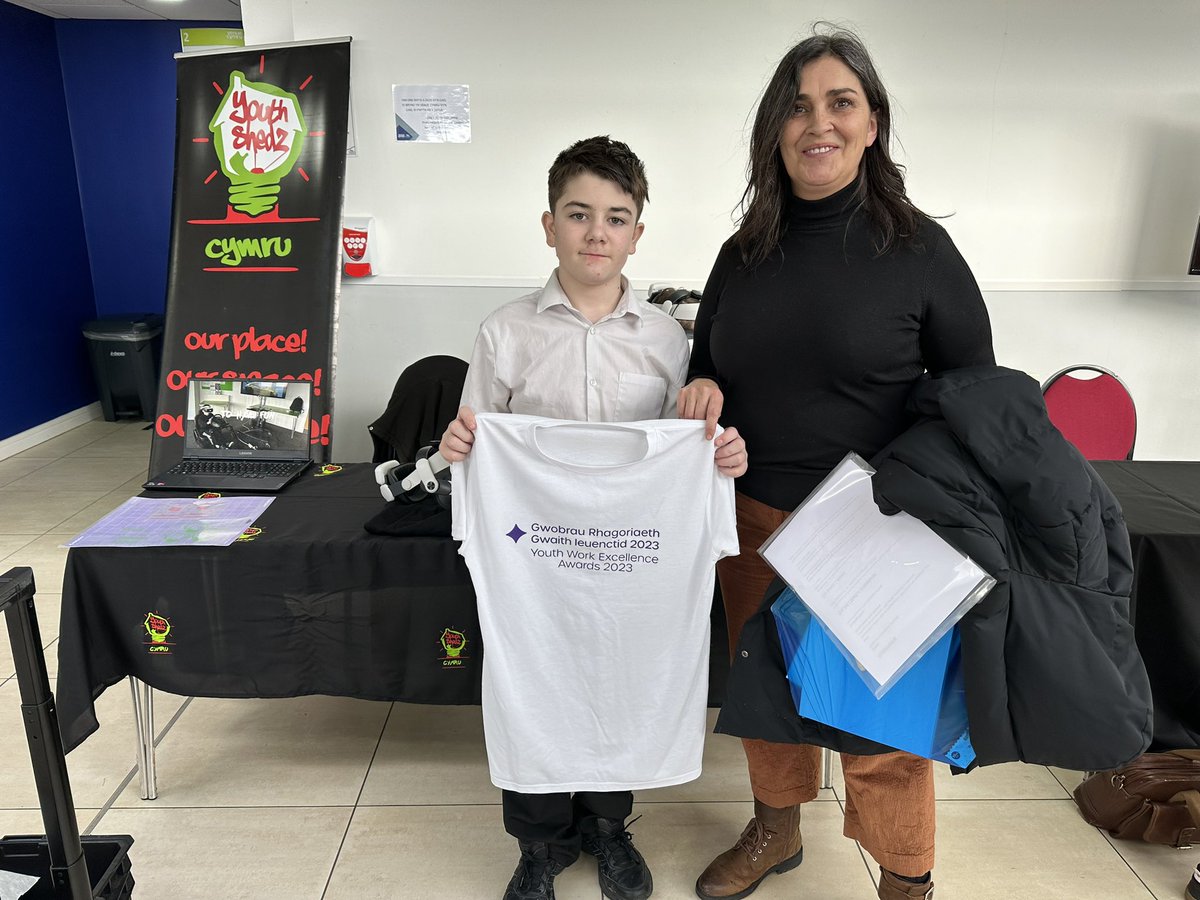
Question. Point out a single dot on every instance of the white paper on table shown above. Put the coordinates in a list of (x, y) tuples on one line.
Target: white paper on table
[(174, 522), (886, 588)]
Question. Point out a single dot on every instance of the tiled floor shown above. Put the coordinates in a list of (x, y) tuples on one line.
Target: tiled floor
[(320, 797)]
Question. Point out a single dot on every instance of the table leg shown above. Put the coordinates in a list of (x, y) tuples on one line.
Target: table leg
[(143, 717), (826, 767)]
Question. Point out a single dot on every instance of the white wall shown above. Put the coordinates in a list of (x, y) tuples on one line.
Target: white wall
[(1064, 136), (1064, 139), (1149, 337)]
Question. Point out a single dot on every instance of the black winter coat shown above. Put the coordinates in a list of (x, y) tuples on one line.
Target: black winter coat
[(1052, 672)]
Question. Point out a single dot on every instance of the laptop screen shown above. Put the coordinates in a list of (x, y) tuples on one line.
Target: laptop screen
[(248, 419)]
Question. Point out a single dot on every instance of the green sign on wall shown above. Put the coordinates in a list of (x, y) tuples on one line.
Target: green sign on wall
[(211, 38)]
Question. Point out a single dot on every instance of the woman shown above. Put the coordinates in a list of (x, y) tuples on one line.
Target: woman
[(834, 295)]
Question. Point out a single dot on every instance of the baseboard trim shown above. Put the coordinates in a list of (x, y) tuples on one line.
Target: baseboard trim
[(52, 429)]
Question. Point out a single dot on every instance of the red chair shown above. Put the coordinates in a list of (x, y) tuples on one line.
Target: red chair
[(1094, 411)]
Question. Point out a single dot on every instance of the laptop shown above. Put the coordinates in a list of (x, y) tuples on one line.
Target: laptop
[(241, 436)]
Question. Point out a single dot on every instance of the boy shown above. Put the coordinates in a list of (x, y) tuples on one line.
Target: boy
[(581, 348)]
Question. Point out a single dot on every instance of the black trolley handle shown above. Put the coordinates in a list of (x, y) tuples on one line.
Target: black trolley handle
[(68, 868)]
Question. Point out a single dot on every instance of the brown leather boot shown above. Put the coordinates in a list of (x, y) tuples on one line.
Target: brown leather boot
[(770, 843), (893, 888)]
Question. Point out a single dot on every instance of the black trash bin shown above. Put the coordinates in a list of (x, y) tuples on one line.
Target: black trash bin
[(126, 352), (69, 867)]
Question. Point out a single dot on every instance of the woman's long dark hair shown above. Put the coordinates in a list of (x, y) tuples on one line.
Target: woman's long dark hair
[(880, 192)]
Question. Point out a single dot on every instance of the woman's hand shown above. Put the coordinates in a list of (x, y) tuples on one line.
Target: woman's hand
[(731, 455), (460, 435), (702, 399)]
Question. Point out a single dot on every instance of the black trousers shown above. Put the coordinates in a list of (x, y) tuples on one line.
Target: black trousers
[(554, 818)]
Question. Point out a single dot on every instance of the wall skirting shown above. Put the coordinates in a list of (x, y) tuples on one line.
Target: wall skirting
[(47, 430)]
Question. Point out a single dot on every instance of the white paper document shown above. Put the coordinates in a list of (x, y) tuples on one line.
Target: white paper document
[(174, 522), (885, 587), (432, 113)]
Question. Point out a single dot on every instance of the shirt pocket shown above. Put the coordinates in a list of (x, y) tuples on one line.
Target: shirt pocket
[(639, 397)]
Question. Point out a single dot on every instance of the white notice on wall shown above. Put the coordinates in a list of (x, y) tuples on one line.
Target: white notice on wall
[(432, 113)]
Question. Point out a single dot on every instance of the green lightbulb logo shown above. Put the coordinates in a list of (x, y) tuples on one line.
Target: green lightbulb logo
[(158, 627), (453, 642), (258, 131)]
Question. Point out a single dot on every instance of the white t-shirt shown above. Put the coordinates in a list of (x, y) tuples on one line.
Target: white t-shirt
[(591, 547)]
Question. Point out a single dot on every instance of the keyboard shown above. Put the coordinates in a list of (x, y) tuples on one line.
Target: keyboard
[(241, 468)]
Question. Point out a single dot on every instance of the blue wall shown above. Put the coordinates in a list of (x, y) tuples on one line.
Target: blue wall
[(120, 88), (45, 284), (86, 174)]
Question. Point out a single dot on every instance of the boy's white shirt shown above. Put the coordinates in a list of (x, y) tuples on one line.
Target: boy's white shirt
[(540, 356), (592, 549)]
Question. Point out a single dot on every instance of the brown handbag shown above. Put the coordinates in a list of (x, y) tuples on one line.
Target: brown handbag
[(1155, 798)]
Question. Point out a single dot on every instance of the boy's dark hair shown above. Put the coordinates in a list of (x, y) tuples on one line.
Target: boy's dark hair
[(605, 158)]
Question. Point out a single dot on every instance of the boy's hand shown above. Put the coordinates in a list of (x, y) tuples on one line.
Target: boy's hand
[(731, 456), (460, 435), (702, 399)]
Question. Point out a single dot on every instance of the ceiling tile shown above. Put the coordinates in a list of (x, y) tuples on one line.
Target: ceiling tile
[(97, 11), (187, 10)]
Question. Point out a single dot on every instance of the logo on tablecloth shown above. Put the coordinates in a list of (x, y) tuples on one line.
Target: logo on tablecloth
[(453, 644), (209, 495), (158, 628), (249, 534), (327, 469)]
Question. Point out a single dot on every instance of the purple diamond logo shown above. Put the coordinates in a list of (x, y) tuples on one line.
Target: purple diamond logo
[(516, 534)]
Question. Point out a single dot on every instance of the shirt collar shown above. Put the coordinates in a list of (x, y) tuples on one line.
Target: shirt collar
[(553, 295)]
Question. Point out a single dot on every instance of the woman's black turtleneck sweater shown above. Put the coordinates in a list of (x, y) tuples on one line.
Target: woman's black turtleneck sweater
[(817, 347)]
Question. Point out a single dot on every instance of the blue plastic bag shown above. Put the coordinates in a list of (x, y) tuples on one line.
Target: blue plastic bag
[(924, 712)]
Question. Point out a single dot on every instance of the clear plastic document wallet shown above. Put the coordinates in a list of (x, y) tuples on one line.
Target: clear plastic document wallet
[(883, 588)]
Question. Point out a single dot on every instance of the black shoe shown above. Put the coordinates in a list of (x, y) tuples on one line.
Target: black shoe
[(1193, 888), (534, 876), (624, 874)]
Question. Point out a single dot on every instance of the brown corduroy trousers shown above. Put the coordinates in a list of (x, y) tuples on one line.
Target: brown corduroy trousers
[(889, 797)]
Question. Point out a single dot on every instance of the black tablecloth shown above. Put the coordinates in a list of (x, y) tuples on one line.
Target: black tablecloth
[(1161, 502), (316, 605), (312, 605)]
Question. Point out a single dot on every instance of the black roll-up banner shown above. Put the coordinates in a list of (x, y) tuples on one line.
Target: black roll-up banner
[(260, 158)]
